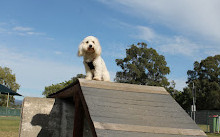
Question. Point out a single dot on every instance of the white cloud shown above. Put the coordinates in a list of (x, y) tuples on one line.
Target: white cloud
[(35, 73), (11, 29), (29, 34), (114, 50), (49, 38), (173, 45), (195, 23), (180, 83), (200, 17), (34, 33), (58, 52), (180, 45), (25, 31), (145, 33), (20, 28), (212, 51)]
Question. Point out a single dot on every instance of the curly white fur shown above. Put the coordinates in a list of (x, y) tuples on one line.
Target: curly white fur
[(91, 50)]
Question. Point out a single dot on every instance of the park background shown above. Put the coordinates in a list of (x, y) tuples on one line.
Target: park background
[(39, 39)]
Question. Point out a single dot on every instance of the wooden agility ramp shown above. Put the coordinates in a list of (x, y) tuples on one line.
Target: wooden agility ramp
[(106, 109)]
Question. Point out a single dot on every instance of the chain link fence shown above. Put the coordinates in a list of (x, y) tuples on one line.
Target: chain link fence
[(208, 120), (4, 111)]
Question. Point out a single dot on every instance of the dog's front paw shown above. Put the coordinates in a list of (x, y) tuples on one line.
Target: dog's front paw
[(97, 78), (88, 78)]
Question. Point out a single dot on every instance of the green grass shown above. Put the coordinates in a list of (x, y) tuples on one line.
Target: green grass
[(213, 135), (204, 127), (9, 126)]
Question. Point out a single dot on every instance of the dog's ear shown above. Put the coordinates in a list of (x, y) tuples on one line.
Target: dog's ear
[(98, 50), (80, 50)]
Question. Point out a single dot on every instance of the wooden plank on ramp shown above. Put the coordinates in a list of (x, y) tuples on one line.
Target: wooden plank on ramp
[(128, 110)]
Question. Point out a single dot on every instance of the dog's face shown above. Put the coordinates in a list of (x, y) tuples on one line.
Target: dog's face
[(90, 45)]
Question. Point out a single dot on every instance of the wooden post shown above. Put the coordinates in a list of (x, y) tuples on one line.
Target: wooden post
[(78, 117), (7, 99)]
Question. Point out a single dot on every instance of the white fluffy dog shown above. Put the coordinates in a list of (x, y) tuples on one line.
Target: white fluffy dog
[(95, 67)]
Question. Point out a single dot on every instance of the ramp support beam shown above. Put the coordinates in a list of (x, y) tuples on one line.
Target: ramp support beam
[(79, 117)]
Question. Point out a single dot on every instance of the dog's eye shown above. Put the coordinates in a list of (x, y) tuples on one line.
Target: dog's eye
[(93, 42), (87, 42)]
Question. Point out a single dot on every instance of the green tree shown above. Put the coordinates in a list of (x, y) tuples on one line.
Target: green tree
[(9, 80), (143, 66), (184, 98), (56, 87), (206, 78), (171, 89)]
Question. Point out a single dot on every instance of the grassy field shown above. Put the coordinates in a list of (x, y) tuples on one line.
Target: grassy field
[(213, 135), (9, 127), (204, 128)]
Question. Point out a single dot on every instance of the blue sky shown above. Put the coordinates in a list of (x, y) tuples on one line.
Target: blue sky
[(39, 39)]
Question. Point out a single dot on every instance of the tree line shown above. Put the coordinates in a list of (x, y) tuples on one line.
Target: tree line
[(144, 66), (8, 79)]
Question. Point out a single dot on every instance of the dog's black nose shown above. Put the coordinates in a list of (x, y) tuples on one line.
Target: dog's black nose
[(90, 46)]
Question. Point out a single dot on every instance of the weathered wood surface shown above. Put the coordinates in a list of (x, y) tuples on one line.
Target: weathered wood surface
[(66, 92), (132, 110), (148, 129), (122, 87), (103, 109), (118, 133)]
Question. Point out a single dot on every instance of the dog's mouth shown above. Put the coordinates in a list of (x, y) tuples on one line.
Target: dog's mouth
[(90, 50)]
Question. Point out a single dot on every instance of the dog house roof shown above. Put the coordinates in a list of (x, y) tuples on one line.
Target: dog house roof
[(118, 110)]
